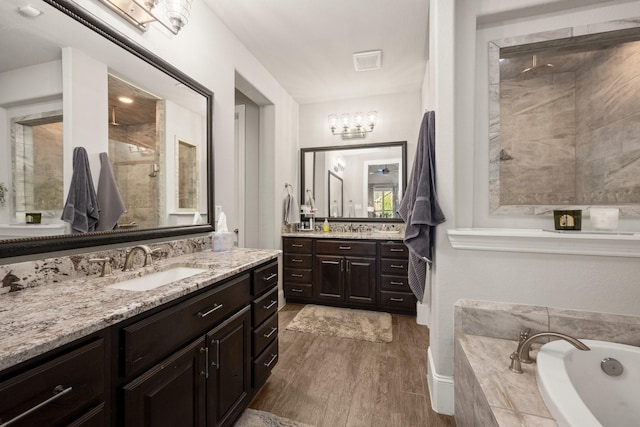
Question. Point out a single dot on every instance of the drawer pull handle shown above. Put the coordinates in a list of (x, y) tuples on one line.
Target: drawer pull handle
[(296, 245), (396, 250), (205, 350), (58, 392), (344, 248), (271, 276), (205, 314), (397, 299), (396, 266), (296, 290), (296, 275), (267, 307), (296, 260), (396, 283), (273, 357), (273, 331)]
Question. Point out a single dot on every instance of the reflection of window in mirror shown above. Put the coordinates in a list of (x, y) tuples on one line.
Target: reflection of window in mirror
[(37, 163), (187, 175), (382, 188), (383, 206)]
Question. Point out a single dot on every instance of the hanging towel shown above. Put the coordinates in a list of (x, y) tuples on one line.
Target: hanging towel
[(109, 200), (419, 207), (291, 209), (81, 209)]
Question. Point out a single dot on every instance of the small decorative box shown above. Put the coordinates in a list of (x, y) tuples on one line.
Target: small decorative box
[(567, 219)]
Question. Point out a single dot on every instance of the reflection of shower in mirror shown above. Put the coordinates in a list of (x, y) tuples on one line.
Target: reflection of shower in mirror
[(154, 170)]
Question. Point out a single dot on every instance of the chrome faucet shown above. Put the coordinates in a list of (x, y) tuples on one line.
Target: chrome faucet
[(128, 261), (521, 355)]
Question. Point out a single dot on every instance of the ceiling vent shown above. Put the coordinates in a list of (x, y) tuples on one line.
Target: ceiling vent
[(367, 61)]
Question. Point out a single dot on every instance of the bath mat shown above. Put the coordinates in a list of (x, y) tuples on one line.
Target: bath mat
[(343, 322), (255, 418)]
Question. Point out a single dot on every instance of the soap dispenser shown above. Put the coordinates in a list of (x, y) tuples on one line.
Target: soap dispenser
[(325, 227)]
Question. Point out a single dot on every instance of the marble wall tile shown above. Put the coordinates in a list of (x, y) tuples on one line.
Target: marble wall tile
[(599, 326), (500, 320), (464, 388)]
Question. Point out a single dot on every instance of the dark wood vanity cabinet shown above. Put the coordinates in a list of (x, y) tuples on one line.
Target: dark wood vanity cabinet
[(68, 389), (350, 273), (265, 325)]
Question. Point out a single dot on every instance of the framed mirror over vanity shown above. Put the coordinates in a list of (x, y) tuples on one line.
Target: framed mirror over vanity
[(90, 86), (355, 183)]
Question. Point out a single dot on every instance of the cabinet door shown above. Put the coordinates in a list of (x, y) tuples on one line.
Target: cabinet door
[(329, 284), (170, 394), (360, 280), (229, 384)]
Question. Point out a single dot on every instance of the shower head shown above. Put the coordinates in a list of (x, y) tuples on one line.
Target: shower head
[(535, 70), (113, 117)]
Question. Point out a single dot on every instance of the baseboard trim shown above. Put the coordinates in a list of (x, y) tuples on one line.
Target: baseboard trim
[(440, 389), (423, 312)]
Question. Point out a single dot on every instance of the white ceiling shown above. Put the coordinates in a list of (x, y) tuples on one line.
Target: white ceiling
[(307, 45)]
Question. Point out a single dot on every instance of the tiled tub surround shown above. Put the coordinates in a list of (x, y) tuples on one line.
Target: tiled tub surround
[(486, 391), (41, 318)]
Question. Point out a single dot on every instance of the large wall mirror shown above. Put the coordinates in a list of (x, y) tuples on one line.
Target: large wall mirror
[(565, 120), (354, 182), (89, 86)]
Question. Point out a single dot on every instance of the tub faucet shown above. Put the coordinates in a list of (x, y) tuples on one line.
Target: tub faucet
[(521, 355), (128, 261)]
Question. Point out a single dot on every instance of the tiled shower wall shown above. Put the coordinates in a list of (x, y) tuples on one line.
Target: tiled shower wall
[(608, 123)]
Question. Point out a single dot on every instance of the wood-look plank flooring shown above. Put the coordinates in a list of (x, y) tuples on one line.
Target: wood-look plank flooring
[(334, 382)]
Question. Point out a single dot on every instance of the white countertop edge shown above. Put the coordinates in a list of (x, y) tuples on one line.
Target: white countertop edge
[(542, 241)]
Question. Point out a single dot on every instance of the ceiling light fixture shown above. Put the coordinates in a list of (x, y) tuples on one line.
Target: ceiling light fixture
[(140, 13), (353, 126), (125, 100)]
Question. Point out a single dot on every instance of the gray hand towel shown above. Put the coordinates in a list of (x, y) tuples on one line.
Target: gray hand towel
[(419, 207), (81, 209), (109, 200), (291, 209)]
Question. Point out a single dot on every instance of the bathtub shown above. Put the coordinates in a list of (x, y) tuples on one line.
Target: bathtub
[(577, 391)]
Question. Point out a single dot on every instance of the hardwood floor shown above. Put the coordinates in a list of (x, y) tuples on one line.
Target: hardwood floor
[(334, 382)]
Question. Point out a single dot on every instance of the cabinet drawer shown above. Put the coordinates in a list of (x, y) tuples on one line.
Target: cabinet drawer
[(294, 290), (96, 417), (264, 363), (70, 384), (347, 247), (393, 250), (297, 261), (398, 299), (151, 340), (264, 334), (265, 277), (265, 306), (296, 245), (297, 275), (398, 267), (394, 283)]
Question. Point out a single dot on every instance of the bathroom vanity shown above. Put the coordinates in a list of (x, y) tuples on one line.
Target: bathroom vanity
[(189, 353), (357, 270)]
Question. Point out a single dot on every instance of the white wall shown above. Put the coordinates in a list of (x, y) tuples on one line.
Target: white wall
[(399, 118), (592, 283)]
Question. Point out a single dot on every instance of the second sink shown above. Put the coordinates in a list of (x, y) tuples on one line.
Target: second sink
[(155, 280)]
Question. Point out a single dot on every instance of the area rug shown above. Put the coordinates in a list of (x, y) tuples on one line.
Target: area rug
[(343, 322), (255, 418)]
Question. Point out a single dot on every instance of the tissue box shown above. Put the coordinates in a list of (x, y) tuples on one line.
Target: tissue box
[(222, 241)]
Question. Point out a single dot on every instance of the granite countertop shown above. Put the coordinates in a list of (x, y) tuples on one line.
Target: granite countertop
[(36, 320), (514, 399), (374, 235)]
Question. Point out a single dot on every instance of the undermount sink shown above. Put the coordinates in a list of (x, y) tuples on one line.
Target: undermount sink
[(155, 280)]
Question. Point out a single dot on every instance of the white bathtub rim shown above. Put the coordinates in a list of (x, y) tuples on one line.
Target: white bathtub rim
[(555, 386)]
